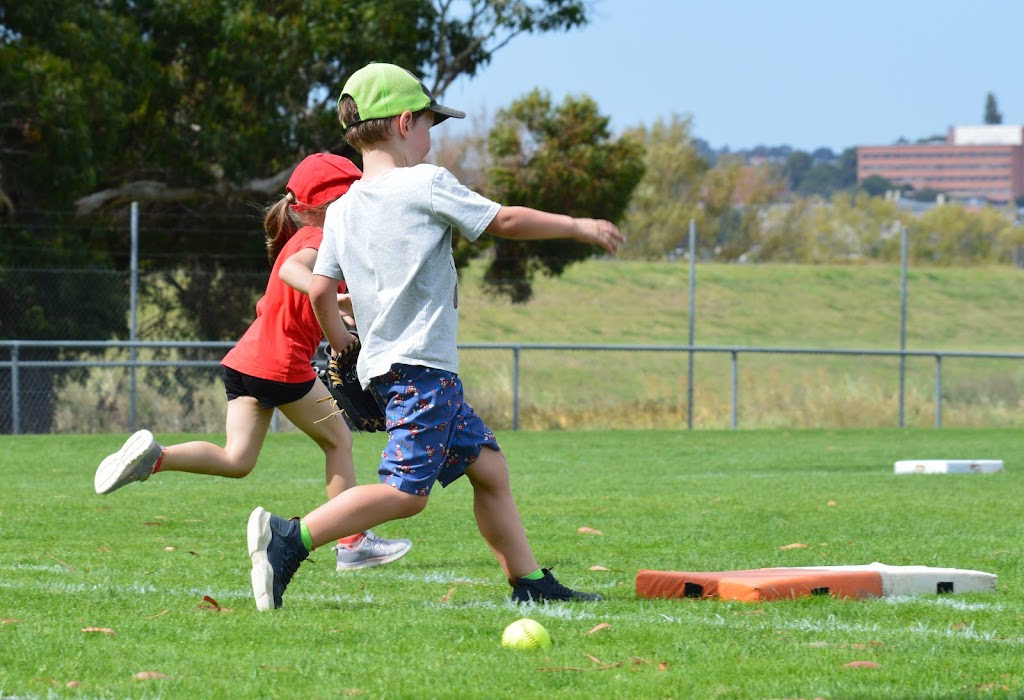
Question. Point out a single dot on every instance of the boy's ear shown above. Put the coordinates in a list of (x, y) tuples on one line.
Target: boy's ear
[(405, 122)]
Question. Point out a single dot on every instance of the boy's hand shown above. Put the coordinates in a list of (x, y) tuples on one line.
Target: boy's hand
[(600, 233)]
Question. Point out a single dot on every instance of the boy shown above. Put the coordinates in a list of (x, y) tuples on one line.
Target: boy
[(390, 238)]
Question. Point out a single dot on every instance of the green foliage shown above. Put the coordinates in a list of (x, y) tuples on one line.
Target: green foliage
[(825, 178), (876, 185), (121, 592), (556, 158), (992, 113), (862, 227), (207, 104), (669, 194), (955, 235)]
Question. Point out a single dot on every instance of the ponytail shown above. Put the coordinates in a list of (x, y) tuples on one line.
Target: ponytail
[(280, 224)]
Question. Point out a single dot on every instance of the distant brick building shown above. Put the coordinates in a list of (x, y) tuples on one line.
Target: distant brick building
[(975, 161)]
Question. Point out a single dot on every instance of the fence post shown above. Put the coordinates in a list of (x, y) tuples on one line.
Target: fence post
[(15, 392), (903, 320), (938, 390), (735, 390), (134, 303), (693, 286)]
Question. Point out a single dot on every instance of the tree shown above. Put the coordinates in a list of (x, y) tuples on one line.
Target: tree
[(796, 167), (668, 196), (201, 110), (826, 178), (992, 115), (557, 158), (876, 185)]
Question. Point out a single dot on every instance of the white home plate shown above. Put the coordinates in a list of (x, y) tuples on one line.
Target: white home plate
[(948, 466)]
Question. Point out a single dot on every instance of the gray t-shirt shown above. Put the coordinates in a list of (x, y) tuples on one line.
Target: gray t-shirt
[(390, 239)]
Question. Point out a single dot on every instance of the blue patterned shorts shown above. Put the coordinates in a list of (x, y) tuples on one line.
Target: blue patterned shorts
[(433, 434)]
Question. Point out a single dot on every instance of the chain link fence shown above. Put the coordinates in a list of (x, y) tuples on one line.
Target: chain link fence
[(83, 350)]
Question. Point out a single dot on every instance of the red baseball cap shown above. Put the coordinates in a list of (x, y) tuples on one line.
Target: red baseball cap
[(321, 178)]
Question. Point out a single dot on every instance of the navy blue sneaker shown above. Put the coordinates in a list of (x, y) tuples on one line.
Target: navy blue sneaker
[(544, 589), (276, 550)]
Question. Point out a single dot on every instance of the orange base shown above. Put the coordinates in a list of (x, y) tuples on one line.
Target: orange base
[(758, 584)]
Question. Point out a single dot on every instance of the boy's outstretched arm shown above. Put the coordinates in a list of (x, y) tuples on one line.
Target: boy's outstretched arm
[(526, 224), (323, 295)]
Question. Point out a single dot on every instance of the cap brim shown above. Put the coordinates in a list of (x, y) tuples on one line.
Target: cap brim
[(441, 113)]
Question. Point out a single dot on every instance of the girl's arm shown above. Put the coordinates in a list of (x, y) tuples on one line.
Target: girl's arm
[(297, 273), (297, 270)]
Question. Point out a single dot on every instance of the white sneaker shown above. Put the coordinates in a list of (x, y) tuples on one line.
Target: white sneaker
[(133, 462), (371, 551)]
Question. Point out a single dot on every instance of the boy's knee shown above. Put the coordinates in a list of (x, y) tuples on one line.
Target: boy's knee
[(411, 505)]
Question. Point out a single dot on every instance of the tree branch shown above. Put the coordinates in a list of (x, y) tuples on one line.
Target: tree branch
[(152, 191)]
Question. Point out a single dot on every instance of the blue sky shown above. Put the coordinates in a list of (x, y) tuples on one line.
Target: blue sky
[(806, 73)]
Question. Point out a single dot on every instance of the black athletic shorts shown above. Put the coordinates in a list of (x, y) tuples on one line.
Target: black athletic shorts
[(269, 394)]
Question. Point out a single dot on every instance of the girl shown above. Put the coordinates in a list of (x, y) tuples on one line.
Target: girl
[(270, 368)]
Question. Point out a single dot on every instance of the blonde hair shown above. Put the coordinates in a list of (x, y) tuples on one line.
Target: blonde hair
[(281, 222)]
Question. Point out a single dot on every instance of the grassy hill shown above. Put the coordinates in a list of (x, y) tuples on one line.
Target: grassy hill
[(781, 306)]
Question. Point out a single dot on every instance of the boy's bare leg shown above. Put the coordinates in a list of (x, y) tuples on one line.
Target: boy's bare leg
[(497, 516), (358, 509)]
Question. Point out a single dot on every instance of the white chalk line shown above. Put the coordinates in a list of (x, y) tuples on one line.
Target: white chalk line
[(556, 611)]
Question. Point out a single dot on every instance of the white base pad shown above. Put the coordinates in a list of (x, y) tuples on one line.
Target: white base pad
[(948, 466), (914, 580)]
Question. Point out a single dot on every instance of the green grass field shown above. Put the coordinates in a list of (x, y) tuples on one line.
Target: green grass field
[(140, 566)]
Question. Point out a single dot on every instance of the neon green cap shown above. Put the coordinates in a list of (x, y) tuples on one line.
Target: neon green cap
[(385, 90)]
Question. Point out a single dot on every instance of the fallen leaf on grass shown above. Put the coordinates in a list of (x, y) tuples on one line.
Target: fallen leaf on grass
[(594, 659), (662, 665), (162, 612), (209, 603), (795, 545), (831, 503), (602, 626), (448, 595), (599, 568), (103, 630), (352, 691), (588, 531), (71, 684), (148, 676), (168, 549), (9, 621), (861, 664)]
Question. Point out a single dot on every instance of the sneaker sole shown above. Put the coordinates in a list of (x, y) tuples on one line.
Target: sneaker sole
[(258, 536), (379, 561), (113, 468)]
